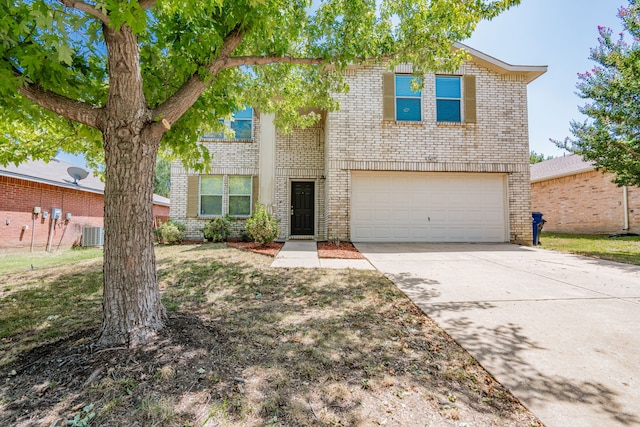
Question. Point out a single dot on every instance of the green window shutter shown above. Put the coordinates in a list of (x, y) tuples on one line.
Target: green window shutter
[(255, 193), (193, 194), (388, 96), (469, 99)]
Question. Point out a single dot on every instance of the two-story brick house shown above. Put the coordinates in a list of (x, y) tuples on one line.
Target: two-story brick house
[(448, 163)]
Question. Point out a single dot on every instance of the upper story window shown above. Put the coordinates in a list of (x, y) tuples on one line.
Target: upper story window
[(241, 125), (408, 102), (448, 99)]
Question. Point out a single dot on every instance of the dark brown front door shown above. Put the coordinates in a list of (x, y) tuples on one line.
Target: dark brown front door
[(302, 208)]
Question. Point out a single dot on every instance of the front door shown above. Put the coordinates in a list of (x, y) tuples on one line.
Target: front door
[(302, 208)]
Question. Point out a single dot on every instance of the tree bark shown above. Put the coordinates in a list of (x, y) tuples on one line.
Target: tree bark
[(132, 307)]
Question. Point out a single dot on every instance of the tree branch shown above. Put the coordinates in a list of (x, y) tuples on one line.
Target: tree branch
[(146, 4), (86, 8), (174, 107), (69, 108), (237, 61)]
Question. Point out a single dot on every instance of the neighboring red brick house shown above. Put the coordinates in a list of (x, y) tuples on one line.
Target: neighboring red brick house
[(44, 186), (575, 198)]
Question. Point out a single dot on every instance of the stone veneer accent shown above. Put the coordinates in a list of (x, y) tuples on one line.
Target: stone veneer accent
[(357, 138)]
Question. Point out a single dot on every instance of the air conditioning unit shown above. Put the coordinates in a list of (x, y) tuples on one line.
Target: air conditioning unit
[(92, 236)]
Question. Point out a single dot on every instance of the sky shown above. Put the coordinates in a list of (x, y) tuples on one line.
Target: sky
[(558, 34)]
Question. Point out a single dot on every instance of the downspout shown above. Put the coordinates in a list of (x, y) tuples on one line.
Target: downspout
[(625, 205)]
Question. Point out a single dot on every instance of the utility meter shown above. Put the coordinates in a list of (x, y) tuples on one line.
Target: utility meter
[(56, 213), (67, 216)]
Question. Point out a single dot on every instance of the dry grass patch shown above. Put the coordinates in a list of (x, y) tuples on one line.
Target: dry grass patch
[(246, 345)]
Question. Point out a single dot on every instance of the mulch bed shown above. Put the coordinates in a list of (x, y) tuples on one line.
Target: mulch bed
[(270, 249), (345, 250)]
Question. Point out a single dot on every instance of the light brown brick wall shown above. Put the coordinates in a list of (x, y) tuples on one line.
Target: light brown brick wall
[(358, 139), (586, 203)]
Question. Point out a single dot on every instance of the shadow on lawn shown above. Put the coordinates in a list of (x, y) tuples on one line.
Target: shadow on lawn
[(247, 344)]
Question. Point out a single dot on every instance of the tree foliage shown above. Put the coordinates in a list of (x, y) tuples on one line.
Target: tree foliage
[(162, 178), (610, 137), (279, 63), (538, 157)]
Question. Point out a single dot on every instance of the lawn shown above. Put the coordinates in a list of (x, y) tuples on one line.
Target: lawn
[(244, 345), (621, 249), (14, 262)]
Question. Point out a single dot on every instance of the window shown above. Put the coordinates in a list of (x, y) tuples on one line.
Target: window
[(240, 195), (407, 100), (217, 199), (448, 99), (241, 124), (211, 191)]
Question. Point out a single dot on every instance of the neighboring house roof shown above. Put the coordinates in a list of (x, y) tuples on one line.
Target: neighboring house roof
[(55, 173), (531, 72), (571, 164)]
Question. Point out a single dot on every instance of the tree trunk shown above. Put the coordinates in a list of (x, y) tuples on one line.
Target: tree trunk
[(132, 308)]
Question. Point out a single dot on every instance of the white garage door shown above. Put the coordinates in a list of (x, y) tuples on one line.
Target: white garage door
[(428, 207)]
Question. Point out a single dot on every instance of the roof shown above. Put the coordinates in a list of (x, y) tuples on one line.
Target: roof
[(571, 164), (531, 72), (55, 173)]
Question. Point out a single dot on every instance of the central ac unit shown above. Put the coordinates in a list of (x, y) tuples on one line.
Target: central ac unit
[(92, 236)]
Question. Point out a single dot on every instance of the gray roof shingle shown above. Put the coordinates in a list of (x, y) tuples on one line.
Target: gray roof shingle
[(560, 166), (55, 173)]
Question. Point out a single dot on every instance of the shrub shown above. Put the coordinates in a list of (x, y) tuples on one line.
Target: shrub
[(172, 232), (218, 229), (261, 227)]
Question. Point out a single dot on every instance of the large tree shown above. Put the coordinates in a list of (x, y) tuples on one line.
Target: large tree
[(610, 137), (120, 80)]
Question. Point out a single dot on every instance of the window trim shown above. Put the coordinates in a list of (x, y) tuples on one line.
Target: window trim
[(396, 97), (220, 136), (460, 99), (250, 195), (200, 195), (225, 196)]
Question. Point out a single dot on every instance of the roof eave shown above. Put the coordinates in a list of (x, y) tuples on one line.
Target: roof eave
[(563, 174), (51, 182), (530, 72)]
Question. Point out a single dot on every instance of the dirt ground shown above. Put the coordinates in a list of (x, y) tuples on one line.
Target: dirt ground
[(245, 345)]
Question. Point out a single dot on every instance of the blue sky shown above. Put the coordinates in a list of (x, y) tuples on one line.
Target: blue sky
[(556, 33)]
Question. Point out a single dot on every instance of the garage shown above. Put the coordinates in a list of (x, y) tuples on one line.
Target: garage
[(428, 207)]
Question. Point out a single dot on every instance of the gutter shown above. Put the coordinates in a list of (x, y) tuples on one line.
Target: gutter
[(563, 174)]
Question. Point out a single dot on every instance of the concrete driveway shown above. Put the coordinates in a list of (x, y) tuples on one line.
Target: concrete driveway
[(562, 332)]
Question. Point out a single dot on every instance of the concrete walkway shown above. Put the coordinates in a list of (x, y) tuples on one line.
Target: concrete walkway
[(304, 254), (562, 332)]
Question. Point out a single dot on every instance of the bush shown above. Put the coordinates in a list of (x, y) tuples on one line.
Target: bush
[(261, 227), (218, 229), (172, 232)]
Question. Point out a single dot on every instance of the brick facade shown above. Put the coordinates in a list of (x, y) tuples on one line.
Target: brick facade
[(357, 138), (585, 203), (17, 225)]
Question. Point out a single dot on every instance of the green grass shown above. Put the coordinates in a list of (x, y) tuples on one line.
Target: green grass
[(14, 262), (619, 249)]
